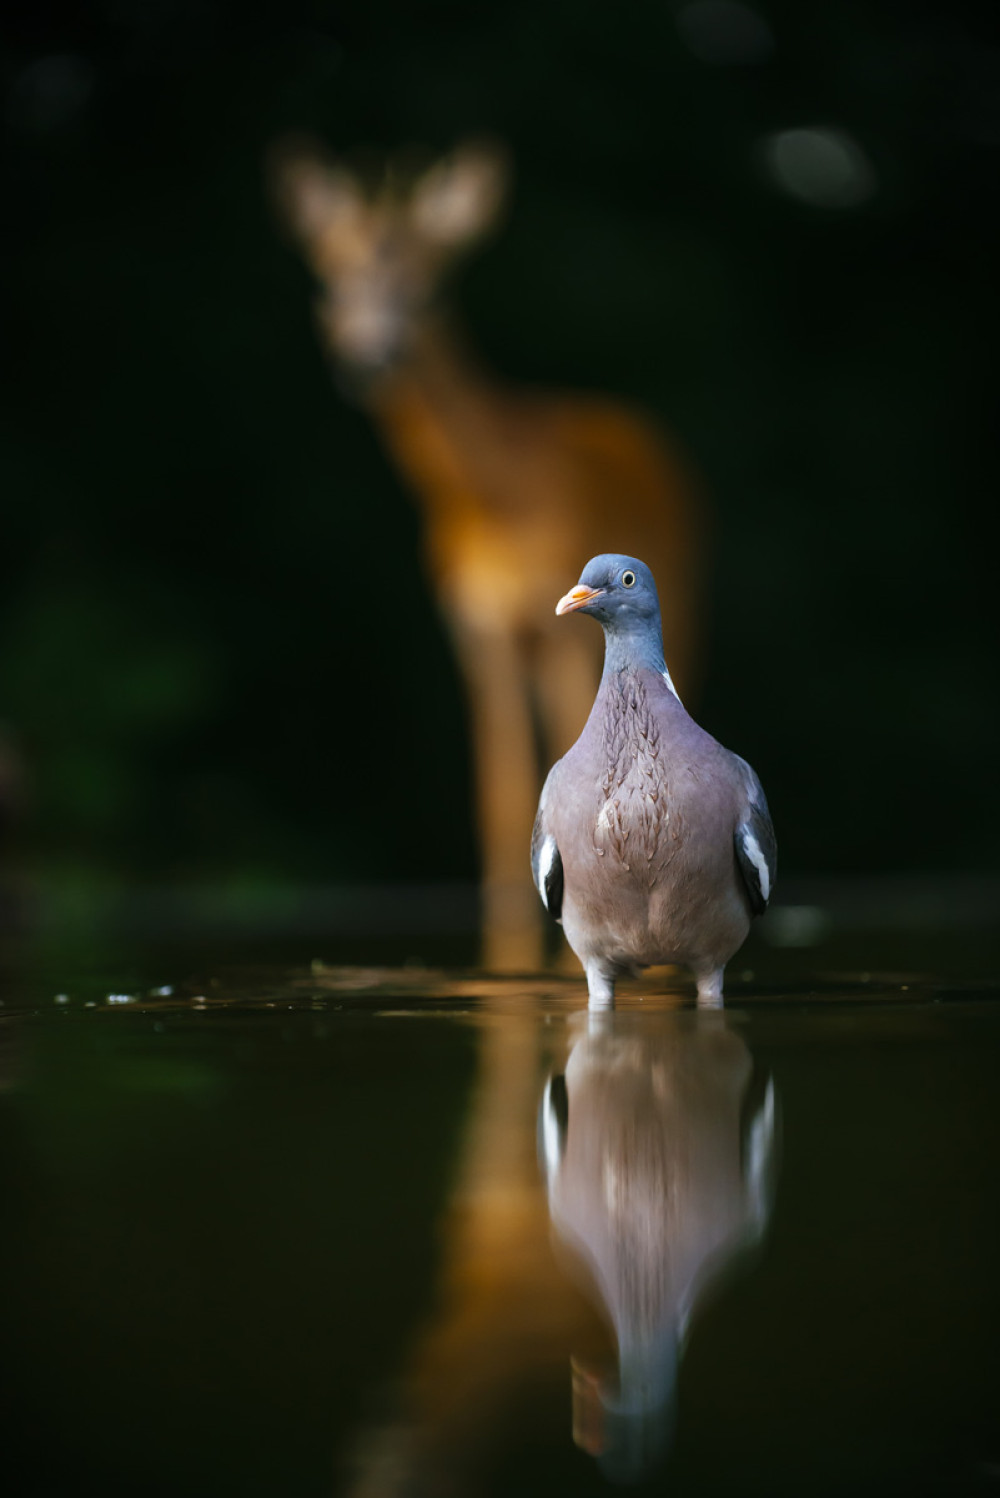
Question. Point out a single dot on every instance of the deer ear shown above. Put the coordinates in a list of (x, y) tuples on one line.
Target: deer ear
[(313, 197), (459, 199)]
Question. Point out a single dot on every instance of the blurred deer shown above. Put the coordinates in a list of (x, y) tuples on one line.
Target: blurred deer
[(518, 488)]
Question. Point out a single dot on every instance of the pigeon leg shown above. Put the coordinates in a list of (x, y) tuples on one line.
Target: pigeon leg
[(710, 989), (600, 985)]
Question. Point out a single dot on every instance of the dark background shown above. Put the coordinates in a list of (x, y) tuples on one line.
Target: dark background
[(218, 659)]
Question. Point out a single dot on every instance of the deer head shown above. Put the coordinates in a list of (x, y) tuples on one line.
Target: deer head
[(381, 249)]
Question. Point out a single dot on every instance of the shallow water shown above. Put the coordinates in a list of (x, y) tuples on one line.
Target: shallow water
[(324, 1230)]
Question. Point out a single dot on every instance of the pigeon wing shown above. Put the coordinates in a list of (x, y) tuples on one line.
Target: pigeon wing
[(756, 845), (546, 863)]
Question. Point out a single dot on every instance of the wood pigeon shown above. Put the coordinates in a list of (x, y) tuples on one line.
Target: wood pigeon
[(652, 843)]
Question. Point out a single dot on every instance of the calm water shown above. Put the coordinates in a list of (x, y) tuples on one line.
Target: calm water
[(380, 1231)]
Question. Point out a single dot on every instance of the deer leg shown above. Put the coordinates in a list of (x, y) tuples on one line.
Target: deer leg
[(507, 787)]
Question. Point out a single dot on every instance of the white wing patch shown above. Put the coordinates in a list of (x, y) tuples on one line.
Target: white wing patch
[(752, 849), (669, 681), (546, 859), (551, 1144)]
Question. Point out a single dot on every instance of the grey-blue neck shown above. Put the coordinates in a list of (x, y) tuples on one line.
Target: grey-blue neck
[(632, 644)]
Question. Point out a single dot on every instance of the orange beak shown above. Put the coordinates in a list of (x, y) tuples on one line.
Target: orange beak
[(576, 598)]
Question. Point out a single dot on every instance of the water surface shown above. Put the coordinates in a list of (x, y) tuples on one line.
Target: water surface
[(325, 1230)]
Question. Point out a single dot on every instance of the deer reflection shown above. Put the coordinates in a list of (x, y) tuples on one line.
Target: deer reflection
[(659, 1144)]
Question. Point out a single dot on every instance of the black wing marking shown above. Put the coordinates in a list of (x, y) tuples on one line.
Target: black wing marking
[(756, 846)]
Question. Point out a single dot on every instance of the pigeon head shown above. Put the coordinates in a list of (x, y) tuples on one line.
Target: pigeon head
[(616, 590), (620, 593)]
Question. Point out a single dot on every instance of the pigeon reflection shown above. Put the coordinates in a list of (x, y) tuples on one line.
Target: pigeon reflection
[(659, 1144)]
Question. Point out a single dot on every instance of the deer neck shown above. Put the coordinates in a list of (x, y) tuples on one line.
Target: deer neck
[(441, 418)]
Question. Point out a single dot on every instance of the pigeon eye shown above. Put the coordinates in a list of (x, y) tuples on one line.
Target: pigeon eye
[(628, 579)]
